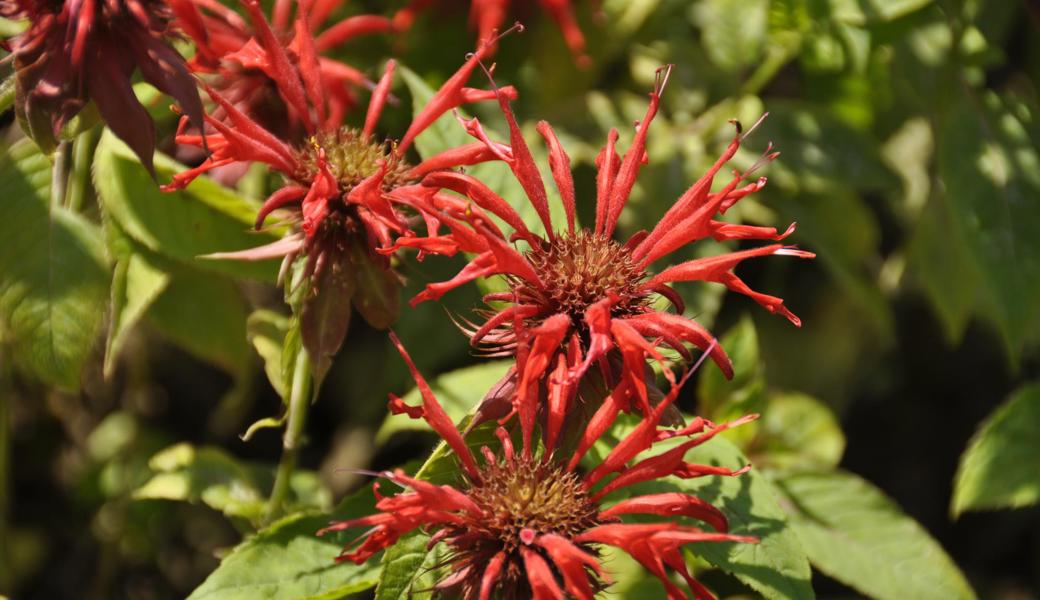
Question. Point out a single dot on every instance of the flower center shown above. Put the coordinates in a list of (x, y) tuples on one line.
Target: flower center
[(580, 269), (532, 495), (351, 158)]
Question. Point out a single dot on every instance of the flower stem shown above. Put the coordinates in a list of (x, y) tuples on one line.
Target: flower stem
[(299, 401), (60, 174), (79, 180)]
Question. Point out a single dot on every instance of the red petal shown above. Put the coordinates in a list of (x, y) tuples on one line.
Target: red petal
[(560, 165), (540, 576), (434, 414)]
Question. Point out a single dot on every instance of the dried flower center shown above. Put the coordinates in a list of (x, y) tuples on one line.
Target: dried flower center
[(351, 158), (580, 269), (519, 499), (532, 495)]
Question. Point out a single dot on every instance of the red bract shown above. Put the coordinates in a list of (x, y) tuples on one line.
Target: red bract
[(525, 526), (233, 50), (586, 298), (487, 16), (82, 50)]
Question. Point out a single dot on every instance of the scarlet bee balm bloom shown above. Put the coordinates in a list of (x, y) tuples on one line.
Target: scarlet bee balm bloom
[(80, 50), (337, 181), (579, 289), (527, 526)]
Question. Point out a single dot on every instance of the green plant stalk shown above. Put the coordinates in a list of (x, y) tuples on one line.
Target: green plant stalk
[(299, 402), (79, 179), (60, 174)]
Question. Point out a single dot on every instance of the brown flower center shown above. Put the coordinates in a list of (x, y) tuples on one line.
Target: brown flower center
[(351, 158), (532, 495), (580, 269), (521, 501)]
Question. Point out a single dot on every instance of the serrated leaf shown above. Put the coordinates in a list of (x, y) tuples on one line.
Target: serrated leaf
[(858, 536), (287, 560), (776, 567), (205, 314), (53, 273), (459, 392), (409, 569), (1000, 467), (202, 219)]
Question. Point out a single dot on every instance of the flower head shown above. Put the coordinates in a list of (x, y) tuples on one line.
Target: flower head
[(587, 298), (527, 525), (231, 50), (488, 16), (82, 50), (338, 181)]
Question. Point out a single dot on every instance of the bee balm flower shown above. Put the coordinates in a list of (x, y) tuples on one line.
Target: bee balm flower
[(583, 295), (337, 181), (520, 525)]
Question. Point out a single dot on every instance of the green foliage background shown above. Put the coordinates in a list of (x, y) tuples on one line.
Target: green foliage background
[(905, 404)]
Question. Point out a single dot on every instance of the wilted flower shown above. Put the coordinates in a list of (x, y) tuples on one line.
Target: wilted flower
[(585, 297), (488, 16), (337, 181), (81, 50), (530, 525), (228, 48)]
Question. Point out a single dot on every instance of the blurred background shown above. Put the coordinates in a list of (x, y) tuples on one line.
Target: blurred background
[(908, 132)]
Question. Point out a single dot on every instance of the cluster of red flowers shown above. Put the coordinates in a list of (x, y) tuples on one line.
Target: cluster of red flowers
[(578, 318)]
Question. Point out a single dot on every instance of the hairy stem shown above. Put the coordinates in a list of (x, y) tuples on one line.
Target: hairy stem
[(299, 401)]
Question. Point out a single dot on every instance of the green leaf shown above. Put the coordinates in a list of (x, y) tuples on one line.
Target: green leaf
[(722, 399), (459, 392), (287, 560), (266, 330), (858, 536), (409, 569), (732, 33), (797, 433), (202, 219), (53, 273), (205, 314), (236, 488), (990, 168), (136, 283), (857, 12), (776, 567), (1000, 467)]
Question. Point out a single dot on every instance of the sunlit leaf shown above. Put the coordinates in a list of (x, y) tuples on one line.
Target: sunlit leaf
[(1000, 467), (287, 560), (202, 219), (856, 535), (53, 273)]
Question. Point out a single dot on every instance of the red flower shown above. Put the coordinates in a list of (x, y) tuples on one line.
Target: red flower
[(578, 290), (527, 526), (228, 47), (488, 16), (337, 181), (81, 50)]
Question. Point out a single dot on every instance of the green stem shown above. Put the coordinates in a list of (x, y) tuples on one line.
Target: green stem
[(299, 401), (79, 181), (60, 174)]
